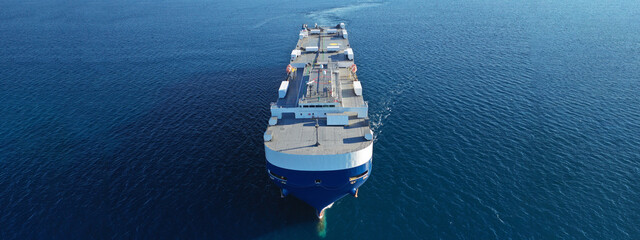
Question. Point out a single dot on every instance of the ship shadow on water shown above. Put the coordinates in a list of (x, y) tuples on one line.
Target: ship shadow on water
[(193, 166)]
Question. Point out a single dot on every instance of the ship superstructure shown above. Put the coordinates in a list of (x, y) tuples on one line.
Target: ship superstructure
[(318, 144)]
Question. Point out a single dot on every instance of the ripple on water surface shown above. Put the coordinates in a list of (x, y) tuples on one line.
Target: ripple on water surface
[(492, 120)]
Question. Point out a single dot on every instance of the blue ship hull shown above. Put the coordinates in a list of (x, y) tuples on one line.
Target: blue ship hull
[(319, 189)]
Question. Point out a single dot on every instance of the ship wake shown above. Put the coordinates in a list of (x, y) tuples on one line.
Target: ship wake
[(337, 14)]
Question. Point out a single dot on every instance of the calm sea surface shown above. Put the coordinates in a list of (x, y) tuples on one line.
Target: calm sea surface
[(494, 119)]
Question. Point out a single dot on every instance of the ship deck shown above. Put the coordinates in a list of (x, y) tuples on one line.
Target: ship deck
[(298, 136), (344, 87), (322, 56), (316, 85)]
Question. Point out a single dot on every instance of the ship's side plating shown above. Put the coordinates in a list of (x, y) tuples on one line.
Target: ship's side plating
[(318, 144), (317, 186)]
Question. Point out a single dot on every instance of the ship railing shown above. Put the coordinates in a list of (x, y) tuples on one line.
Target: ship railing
[(353, 76)]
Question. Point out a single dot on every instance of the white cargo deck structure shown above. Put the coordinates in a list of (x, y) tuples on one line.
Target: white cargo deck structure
[(321, 111), (318, 144)]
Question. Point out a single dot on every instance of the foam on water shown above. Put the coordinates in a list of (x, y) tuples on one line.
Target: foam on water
[(332, 15)]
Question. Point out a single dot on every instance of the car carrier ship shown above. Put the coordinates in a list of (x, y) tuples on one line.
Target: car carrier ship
[(318, 144)]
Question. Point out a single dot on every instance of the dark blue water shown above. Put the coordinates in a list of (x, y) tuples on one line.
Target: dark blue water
[(494, 119)]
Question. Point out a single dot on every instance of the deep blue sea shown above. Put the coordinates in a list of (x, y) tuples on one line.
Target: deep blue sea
[(494, 119)]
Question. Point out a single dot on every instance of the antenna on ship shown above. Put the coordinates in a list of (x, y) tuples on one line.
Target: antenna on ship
[(317, 138)]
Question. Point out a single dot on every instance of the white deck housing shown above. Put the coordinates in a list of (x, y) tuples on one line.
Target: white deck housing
[(282, 91), (273, 121), (337, 119), (267, 136), (333, 48), (357, 88), (295, 53), (303, 34), (349, 53), (311, 48)]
